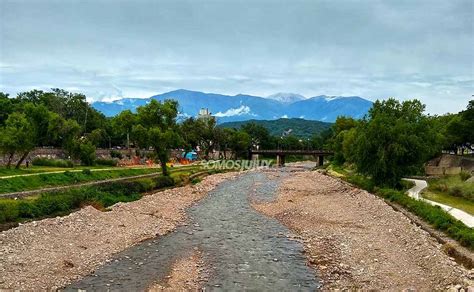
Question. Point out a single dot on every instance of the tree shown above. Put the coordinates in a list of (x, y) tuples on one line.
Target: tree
[(123, 124), (395, 140), (6, 107), (240, 143), (17, 137), (259, 135), (191, 133), (158, 126)]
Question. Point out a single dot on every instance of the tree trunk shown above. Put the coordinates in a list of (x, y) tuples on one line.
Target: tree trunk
[(10, 158), (21, 159), (163, 158)]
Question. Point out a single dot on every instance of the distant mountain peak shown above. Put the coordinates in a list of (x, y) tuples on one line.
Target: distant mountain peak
[(286, 97), (243, 107)]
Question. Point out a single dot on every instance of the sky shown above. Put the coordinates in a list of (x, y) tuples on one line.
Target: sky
[(113, 49)]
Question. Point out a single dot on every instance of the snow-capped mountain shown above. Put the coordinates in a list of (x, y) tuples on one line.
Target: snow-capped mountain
[(244, 107), (286, 97)]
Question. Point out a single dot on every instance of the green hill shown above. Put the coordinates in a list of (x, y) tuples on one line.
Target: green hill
[(300, 127)]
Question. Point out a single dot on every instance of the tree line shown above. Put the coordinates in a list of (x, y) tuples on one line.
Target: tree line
[(59, 118), (396, 138), (393, 139)]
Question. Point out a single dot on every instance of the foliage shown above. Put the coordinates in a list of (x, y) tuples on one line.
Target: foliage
[(107, 162), (116, 154), (395, 140), (17, 136), (164, 181), (52, 162), (24, 183), (157, 129), (303, 129), (452, 185)]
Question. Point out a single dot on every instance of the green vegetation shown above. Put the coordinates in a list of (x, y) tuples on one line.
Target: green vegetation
[(455, 186), (456, 202), (100, 196), (52, 162), (302, 129), (24, 183), (394, 140)]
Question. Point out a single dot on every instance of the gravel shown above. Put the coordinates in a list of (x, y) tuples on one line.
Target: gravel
[(51, 253), (355, 240)]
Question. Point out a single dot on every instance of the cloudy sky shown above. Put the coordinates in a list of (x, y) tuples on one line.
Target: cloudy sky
[(113, 49)]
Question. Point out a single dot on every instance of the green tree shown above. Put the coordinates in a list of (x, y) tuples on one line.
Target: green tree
[(240, 142), (123, 124), (17, 137), (259, 135), (395, 140), (6, 107), (159, 121)]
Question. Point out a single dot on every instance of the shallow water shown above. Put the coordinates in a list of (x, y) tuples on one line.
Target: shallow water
[(245, 249)]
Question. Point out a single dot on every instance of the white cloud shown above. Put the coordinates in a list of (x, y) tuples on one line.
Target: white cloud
[(242, 110), (284, 116)]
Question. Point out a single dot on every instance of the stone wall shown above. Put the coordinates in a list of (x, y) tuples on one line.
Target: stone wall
[(56, 153), (448, 164)]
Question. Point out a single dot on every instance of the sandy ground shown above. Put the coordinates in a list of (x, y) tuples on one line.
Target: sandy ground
[(187, 274), (51, 253), (355, 240)]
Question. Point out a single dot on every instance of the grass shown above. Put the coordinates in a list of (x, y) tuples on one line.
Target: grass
[(454, 186), (39, 169), (433, 215), (24, 183), (456, 202), (59, 203)]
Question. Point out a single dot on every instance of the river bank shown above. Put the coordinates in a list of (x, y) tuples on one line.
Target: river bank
[(356, 241)]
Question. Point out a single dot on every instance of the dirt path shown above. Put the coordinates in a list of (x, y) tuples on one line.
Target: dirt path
[(355, 240)]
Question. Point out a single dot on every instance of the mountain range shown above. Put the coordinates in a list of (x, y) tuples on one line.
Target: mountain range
[(245, 107)]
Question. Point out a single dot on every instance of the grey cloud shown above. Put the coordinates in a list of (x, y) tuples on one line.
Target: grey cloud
[(109, 49)]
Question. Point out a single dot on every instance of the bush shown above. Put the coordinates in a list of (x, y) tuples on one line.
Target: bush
[(86, 171), (116, 154), (456, 191), (52, 162), (107, 162), (164, 181), (87, 153), (465, 175)]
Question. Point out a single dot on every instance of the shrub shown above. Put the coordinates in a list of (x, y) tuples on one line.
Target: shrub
[(52, 162), (86, 171), (164, 181), (195, 180), (465, 175), (107, 162), (116, 154), (456, 191), (87, 153)]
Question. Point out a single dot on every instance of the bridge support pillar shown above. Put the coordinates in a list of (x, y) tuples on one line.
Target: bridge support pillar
[(320, 160)]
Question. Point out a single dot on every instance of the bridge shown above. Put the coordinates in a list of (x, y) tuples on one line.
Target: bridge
[(281, 154)]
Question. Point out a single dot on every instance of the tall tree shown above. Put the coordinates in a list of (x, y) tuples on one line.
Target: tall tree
[(17, 137), (395, 140), (159, 121)]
